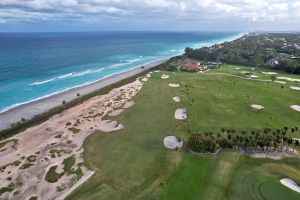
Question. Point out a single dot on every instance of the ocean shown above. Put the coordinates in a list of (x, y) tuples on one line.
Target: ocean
[(37, 65)]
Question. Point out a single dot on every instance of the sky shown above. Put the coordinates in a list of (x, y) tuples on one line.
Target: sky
[(153, 15)]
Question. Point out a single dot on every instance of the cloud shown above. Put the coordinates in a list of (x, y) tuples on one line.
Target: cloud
[(148, 10)]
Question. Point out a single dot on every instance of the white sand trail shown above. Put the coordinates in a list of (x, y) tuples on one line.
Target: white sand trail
[(171, 142), (290, 184), (181, 114)]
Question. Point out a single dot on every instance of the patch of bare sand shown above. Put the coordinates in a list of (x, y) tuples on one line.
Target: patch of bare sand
[(38, 148)]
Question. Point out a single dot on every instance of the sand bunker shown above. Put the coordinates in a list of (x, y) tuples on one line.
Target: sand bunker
[(269, 73), (128, 104), (171, 142), (295, 107), (145, 79), (177, 99), (109, 126), (164, 76), (181, 114), (281, 82), (156, 71), (237, 68), (174, 85), (253, 76), (115, 112), (290, 184), (257, 107), (288, 79), (148, 75), (252, 68), (295, 88)]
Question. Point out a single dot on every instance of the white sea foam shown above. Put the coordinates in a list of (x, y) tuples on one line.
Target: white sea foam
[(43, 82), (69, 75)]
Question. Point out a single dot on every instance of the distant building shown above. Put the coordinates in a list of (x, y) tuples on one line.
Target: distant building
[(193, 66), (273, 61)]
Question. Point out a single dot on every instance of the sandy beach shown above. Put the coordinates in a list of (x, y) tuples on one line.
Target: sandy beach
[(31, 109)]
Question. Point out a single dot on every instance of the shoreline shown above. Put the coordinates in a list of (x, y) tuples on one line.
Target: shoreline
[(36, 107)]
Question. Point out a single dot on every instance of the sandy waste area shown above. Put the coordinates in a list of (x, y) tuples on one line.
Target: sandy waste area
[(28, 156)]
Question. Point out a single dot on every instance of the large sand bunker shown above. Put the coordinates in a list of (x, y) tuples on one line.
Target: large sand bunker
[(164, 76), (257, 107), (295, 107), (253, 76), (171, 142), (177, 99), (289, 79), (174, 85), (295, 88), (269, 73), (290, 184), (148, 75), (145, 79), (181, 114)]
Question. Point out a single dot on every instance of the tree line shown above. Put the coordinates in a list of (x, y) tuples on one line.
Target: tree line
[(262, 139)]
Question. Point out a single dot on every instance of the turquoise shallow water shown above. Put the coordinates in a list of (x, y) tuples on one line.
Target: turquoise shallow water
[(36, 65)]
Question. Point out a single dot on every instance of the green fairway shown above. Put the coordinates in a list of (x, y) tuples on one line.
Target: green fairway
[(133, 164)]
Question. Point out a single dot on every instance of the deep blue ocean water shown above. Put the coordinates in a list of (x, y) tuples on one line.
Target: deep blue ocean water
[(36, 65)]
